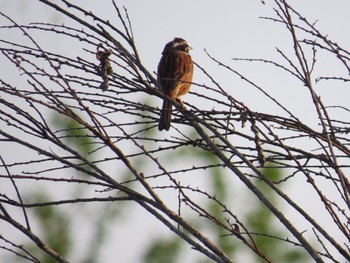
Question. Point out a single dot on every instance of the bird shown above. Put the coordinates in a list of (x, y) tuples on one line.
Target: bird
[(174, 75)]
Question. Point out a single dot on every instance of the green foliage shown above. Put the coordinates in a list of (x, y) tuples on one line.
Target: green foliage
[(163, 251), (54, 225), (261, 220), (258, 220), (221, 189), (54, 229), (73, 134)]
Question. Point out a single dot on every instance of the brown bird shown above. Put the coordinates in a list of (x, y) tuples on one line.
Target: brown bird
[(175, 71)]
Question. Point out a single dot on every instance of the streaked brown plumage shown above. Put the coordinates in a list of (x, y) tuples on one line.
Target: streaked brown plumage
[(175, 71)]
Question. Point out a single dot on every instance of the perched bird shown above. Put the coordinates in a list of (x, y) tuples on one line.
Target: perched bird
[(175, 71)]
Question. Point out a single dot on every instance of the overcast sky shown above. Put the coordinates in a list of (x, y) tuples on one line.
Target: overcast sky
[(227, 29)]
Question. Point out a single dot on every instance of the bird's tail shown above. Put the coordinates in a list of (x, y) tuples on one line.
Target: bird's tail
[(165, 116)]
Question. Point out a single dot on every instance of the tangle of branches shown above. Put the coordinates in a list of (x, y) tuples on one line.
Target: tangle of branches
[(104, 96)]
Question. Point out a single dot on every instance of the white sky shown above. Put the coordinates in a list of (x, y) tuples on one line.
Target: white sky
[(227, 29)]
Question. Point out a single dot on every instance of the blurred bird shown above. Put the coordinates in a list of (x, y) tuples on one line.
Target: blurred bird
[(105, 68)]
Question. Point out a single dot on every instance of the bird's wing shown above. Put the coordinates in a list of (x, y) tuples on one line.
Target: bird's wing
[(174, 69)]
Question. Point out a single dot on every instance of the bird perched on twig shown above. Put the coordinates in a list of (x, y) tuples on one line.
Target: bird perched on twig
[(175, 71)]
